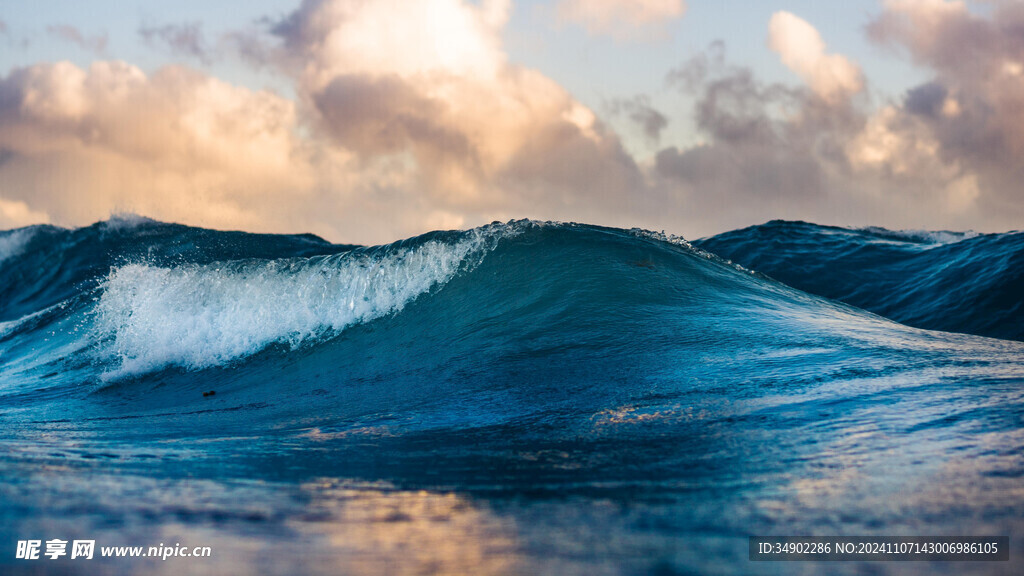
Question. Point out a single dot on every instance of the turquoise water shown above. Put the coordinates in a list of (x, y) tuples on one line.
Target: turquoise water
[(519, 398)]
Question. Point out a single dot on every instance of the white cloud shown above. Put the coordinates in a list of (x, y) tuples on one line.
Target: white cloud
[(894, 144), (802, 50)]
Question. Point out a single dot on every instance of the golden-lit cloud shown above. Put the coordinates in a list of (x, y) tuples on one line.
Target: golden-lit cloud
[(400, 125), (802, 50), (15, 214), (79, 143), (405, 117), (435, 93)]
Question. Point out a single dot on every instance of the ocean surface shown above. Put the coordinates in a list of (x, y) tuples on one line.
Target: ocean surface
[(521, 398), (950, 281)]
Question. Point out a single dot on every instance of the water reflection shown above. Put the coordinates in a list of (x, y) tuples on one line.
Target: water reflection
[(387, 531)]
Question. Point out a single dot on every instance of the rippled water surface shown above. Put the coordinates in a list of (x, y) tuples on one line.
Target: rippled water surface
[(519, 398)]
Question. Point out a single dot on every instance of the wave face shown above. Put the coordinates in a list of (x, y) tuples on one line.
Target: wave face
[(490, 401), (952, 281)]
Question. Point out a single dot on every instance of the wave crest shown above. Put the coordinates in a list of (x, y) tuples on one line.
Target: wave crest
[(200, 316)]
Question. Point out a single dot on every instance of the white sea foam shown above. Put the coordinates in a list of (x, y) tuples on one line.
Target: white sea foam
[(14, 242), (923, 236), (684, 243), (120, 221), (201, 316)]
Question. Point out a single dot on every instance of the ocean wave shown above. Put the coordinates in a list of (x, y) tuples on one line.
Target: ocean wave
[(142, 299), (951, 281), (197, 316), (920, 236), (527, 383), (13, 242)]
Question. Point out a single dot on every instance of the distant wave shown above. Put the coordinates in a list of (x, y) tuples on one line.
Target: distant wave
[(953, 281)]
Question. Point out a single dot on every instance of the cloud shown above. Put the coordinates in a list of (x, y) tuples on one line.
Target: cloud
[(15, 214), (79, 142), (620, 18), (480, 134), (402, 125), (802, 50), (95, 44), (185, 39), (929, 99), (754, 158), (11, 40), (949, 153), (250, 44), (639, 110), (792, 151), (399, 126), (972, 111)]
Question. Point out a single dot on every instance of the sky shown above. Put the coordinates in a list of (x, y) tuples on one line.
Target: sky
[(366, 121)]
